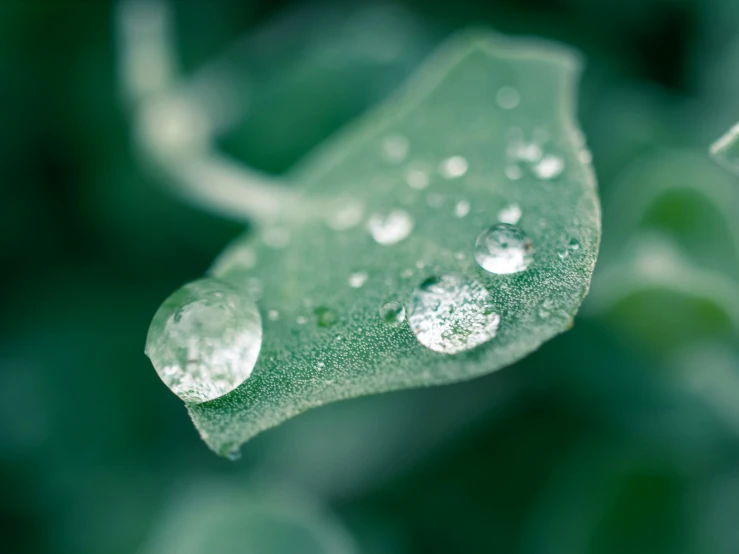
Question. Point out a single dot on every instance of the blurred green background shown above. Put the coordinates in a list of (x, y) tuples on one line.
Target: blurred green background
[(619, 436)]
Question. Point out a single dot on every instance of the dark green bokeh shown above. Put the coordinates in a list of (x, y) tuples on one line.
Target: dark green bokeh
[(598, 443)]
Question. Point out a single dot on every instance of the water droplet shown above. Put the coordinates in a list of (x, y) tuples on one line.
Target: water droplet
[(510, 214), (406, 273), (204, 340), (273, 315), (348, 215), (391, 228), (395, 148), (233, 455), (574, 244), (420, 264), (504, 249), (301, 320), (357, 279), (508, 98), (451, 314), (462, 208), (549, 167), (453, 167), (320, 366), (417, 178), (392, 312), (326, 317)]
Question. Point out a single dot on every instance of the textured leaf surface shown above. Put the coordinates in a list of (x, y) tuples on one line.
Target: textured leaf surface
[(502, 111)]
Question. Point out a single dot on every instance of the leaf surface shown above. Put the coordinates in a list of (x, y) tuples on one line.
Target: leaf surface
[(484, 131)]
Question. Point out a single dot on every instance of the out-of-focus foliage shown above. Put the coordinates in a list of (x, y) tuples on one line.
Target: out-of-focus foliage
[(621, 435)]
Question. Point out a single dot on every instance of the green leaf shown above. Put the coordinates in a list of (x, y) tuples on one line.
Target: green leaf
[(213, 517), (484, 130), (726, 149)]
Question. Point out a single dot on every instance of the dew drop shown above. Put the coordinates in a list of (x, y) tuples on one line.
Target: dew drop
[(392, 312), (273, 315), (301, 320), (416, 178), (549, 167), (391, 228), (406, 273), (453, 167), (326, 317), (358, 279), (204, 340), (504, 249), (320, 366), (510, 214), (462, 208), (452, 313), (508, 98)]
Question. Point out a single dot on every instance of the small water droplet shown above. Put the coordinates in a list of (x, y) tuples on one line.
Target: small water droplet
[(549, 167), (451, 314), (462, 208), (392, 312), (420, 264), (395, 148), (391, 228), (508, 98), (233, 455), (356, 280), (574, 244), (326, 317), (301, 320), (459, 255), (320, 366), (205, 339), (510, 214), (453, 167), (417, 178), (504, 249), (406, 273), (273, 315)]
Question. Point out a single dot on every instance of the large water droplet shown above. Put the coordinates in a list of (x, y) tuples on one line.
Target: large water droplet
[(392, 312), (204, 340), (503, 249), (391, 228), (451, 314)]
